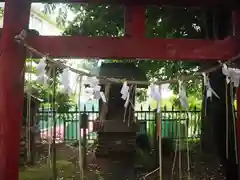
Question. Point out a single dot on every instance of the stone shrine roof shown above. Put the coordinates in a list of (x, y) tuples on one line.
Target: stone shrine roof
[(127, 71)]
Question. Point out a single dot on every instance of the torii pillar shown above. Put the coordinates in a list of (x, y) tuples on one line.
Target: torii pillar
[(236, 33), (12, 58)]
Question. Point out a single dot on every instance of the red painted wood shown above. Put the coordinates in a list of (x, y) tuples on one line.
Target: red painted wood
[(176, 3), (16, 17), (236, 23), (131, 48), (135, 21)]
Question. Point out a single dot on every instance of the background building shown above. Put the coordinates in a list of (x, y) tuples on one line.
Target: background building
[(43, 24), (40, 22)]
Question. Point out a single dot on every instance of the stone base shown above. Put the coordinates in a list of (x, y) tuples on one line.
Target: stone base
[(115, 142), (118, 126)]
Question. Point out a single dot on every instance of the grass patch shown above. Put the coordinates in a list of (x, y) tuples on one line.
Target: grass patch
[(65, 170)]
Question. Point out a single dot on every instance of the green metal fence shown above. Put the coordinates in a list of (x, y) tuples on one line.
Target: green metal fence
[(188, 122)]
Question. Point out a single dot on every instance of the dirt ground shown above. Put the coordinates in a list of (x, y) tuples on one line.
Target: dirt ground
[(121, 167), (202, 167)]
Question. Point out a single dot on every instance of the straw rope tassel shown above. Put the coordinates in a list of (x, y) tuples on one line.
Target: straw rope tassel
[(54, 153), (234, 123), (28, 119), (227, 123), (179, 149), (28, 128), (126, 108), (159, 136), (115, 80), (104, 109), (188, 152), (175, 156), (79, 134), (130, 105), (160, 142), (159, 120), (50, 128)]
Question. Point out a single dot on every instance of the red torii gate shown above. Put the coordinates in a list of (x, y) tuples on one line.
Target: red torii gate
[(133, 45)]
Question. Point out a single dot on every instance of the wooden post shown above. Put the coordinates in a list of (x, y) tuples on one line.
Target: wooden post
[(16, 18), (135, 21), (236, 32)]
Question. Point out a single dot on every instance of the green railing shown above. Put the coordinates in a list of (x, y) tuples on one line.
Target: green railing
[(188, 122)]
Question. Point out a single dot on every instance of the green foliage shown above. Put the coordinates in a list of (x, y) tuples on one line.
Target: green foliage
[(1, 13), (173, 102), (62, 16), (49, 8), (193, 102), (45, 92), (164, 22), (95, 20)]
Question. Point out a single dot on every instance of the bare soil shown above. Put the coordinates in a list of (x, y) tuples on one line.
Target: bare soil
[(121, 167)]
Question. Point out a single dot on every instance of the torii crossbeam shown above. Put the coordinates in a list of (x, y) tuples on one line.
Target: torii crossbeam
[(173, 3), (132, 48), (133, 45)]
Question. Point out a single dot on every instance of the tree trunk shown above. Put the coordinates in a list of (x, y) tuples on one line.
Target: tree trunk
[(215, 121), (218, 115)]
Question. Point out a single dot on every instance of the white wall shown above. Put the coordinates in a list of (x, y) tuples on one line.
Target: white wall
[(42, 25), (38, 23)]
